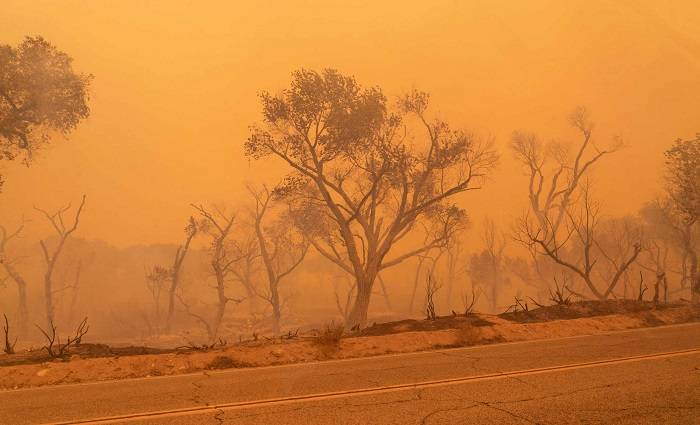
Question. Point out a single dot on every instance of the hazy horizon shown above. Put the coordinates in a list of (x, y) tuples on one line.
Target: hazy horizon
[(185, 77)]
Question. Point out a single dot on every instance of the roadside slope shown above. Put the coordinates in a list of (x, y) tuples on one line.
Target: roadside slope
[(400, 338)]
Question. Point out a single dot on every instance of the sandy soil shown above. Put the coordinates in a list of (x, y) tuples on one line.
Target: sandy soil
[(93, 362)]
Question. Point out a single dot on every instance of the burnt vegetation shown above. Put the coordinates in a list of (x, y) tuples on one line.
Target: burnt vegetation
[(368, 223), (55, 348)]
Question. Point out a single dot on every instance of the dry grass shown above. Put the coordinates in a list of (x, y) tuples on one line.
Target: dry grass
[(93, 362), (225, 362), (582, 309)]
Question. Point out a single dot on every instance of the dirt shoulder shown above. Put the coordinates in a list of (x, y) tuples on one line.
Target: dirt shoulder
[(95, 362)]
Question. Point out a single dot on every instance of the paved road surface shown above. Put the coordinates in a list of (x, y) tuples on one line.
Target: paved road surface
[(632, 377)]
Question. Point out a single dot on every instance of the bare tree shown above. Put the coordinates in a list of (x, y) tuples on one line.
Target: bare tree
[(218, 226), (176, 270), (487, 268), (577, 248), (552, 188), (51, 256), (211, 333), (351, 164), (555, 173), (617, 239), (247, 250), (81, 264), (495, 246), (156, 280), (8, 265), (432, 258), (282, 249), (670, 245), (558, 225), (429, 259), (455, 260)]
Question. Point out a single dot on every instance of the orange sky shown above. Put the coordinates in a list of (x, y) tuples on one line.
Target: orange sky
[(176, 82)]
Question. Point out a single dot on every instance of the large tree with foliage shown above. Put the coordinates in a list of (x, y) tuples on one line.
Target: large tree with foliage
[(367, 175), (683, 178), (40, 95)]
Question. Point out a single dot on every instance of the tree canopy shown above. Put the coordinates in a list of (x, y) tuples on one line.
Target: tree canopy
[(683, 167), (364, 174), (40, 95)]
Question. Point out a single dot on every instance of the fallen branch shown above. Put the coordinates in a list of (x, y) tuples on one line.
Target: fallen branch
[(203, 347)]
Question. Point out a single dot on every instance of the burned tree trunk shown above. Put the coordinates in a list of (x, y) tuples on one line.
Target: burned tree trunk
[(282, 249), (657, 286), (694, 278), (9, 346), (7, 264), (219, 226), (361, 187), (22, 305), (51, 257), (176, 271), (582, 237), (221, 304), (75, 290), (358, 313)]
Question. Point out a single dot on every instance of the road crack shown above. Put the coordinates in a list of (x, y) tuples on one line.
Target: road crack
[(508, 412), (196, 397), (219, 416)]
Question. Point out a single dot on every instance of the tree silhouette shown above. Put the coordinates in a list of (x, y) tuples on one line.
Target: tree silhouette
[(683, 176), (40, 95), (358, 177)]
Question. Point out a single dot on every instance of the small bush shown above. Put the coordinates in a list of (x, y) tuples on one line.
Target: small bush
[(467, 335), (53, 345), (224, 362), (330, 335)]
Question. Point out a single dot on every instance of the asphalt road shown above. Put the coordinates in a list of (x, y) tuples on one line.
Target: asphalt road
[(635, 377)]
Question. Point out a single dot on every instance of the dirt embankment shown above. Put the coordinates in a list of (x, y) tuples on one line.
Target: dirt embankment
[(94, 362)]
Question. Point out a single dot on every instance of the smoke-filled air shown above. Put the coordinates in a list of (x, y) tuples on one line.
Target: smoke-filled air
[(197, 186)]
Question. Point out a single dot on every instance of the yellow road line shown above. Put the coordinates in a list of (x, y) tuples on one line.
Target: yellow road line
[(369, 391)]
